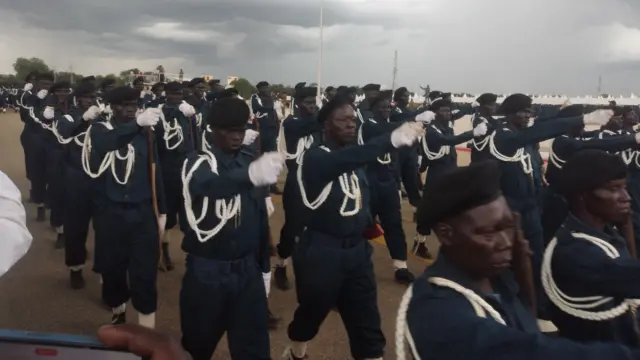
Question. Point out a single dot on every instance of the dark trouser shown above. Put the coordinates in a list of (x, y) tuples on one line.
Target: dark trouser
[(268, 139), (533, 232), (55, 168), (127, 242), (224, 296), (385, 204), (78, 213), (175, 202), (337, 272), (554, 212), (293, 224), (24, 141), (37, 149)]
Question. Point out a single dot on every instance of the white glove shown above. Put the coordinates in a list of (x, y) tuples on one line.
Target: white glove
[(565, 104), (426, 117), (407, 134), (266, 169), (187, 109), (149, 117), (106, 109), (400, 195), (598, 117), (475, 104), (28, 87), (42, 94), (249, 137), (270, 207), (162, 222), (49, 113), (480, 130), (91, 113), (266, 277), (142, 94), (637, 135)]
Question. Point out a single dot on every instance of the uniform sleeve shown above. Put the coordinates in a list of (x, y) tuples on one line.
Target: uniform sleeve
[(16, 238), (321, 167), (442, 331), (223, 186), (508, 142), (594, 270), (67, 124), (160, 192), (104, 140), (435, 139), (264, 257), (409, 173)]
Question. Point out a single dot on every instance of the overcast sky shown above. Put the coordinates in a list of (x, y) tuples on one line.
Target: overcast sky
[(534, 46)]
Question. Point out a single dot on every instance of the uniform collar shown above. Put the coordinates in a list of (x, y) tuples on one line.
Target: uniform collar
[(610, 235)]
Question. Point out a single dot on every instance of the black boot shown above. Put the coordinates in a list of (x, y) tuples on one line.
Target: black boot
[(41, 214), (166, 258), (59, 244), (274, 321), (288, 355), (282, 282), (404, 276), (76, 279), (421, 250)]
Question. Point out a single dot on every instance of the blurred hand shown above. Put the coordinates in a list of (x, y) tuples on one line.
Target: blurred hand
[(143, 342)]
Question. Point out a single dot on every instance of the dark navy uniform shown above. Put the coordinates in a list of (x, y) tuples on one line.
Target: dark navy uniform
[(296, 129), (479, 145), (222, 289), (555, 208), (78, 200), (444, 324), (177, 136), (266, 116), (333, 264), (126, 227), (408, 158), (439, 149), (35, 132), (581, 269)]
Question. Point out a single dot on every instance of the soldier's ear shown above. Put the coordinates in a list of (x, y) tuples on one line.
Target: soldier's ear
[(444, 232)]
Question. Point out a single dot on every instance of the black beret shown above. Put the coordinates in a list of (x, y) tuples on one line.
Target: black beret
[(173, 87), (60, 85), (588, 170), (196, 81), (515, 103), (400, 91), (439, 103), (329, 88), (262, 84), (138, 80), (107, 82), (487, 99), (300, 85), (122, 94), (382, 95), (45, 76), (457, 191), (306, 92), (371, 87), (157, 86), (84, 89), (338, 101)]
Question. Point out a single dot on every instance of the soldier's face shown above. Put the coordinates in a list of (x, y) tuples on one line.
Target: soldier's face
[(228, 139), (480, 240), (86, 101), (309, 105), (341, 125), (382, 110), (610, 202), (126, 111), (199, 90)]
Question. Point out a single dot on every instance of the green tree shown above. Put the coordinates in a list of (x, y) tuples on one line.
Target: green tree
[(23, 66), (73, 78), (244, 87)]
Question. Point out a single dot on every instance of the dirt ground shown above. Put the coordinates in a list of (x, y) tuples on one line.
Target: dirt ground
[(36, 295)]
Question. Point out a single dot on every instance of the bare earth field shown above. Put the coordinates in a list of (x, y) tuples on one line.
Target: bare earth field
[(36, 295)]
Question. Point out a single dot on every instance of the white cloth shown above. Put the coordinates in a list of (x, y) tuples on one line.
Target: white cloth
[(407, 134), (49, 113), (598, 117), (16, 238), (187, 109), (480, 130), (91, 113), (149, 117), (42, 94), (266, 169), (426, 117), (249, 137)]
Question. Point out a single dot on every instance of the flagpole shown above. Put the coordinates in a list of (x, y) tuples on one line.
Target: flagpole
[(319, 79)]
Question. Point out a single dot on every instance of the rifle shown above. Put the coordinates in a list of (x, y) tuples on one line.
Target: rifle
[(154, 192)]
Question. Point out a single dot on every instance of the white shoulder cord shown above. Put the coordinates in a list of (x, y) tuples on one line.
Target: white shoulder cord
[(519, 156), (481, 144), (224, 210), (172, 129), (575, 306), (386, 158), (348, 183), (555, 160), (302, 145), (60, 138), (444, 150), (628, 156), (36, 119), (109, 158), (403, 333), (199, 119)]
